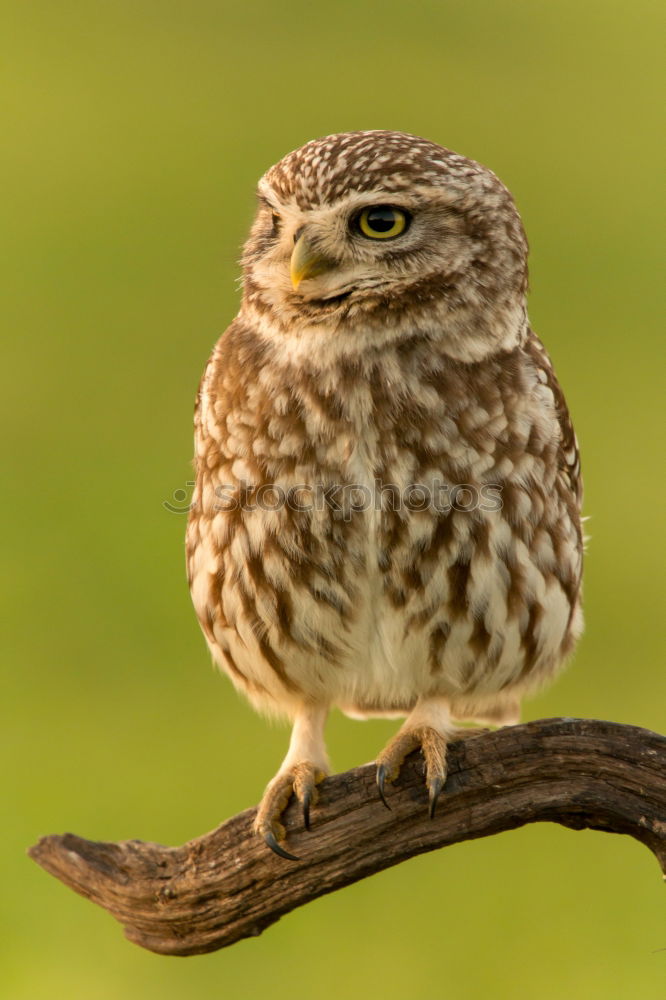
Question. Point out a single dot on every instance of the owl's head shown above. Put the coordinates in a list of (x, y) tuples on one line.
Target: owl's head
[(384, 235)]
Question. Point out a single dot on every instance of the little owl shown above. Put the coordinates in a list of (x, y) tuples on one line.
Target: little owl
[(386, 517)]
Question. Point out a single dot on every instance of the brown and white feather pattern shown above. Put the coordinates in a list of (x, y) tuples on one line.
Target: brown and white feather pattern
[(425, 373)]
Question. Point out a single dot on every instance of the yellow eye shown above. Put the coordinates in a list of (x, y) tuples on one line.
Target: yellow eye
[(382, 222)]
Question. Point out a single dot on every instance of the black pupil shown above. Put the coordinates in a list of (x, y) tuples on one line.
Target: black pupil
[(381, 219)]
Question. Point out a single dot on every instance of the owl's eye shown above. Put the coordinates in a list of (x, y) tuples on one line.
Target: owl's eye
[(382, 222)]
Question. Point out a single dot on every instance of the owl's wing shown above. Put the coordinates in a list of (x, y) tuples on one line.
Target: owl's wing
[(569, 454)]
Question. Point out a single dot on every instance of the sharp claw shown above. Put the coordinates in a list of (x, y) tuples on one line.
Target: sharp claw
[(435, 787), (269, 837), (307, 799), (381, 778)]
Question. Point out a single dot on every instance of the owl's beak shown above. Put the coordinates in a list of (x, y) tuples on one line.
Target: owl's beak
[(307, 261)]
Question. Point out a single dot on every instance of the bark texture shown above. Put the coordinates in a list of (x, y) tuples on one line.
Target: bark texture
[(227, 885)]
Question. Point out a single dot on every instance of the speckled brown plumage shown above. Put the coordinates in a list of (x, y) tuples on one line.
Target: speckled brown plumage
[(387, 506)]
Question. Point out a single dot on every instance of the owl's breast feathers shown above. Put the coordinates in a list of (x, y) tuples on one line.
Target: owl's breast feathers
[(398, 525)]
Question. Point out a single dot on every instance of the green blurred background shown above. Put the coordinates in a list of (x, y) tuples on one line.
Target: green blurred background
[(134, 133)]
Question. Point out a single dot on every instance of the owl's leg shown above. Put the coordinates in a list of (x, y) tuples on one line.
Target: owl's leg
[(429, 727), (502, 712), (305, 765)]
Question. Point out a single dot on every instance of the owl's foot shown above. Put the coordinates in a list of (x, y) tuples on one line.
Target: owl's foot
[(304, 766), (429, 728), (300, 780), (433, 747)]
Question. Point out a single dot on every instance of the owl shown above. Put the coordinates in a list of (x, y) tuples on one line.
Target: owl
[(386, 516)]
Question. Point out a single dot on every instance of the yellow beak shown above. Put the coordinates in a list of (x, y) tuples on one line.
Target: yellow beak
[(307, 262)]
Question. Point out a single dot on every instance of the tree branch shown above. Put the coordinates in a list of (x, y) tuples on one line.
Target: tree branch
[(227, 885)]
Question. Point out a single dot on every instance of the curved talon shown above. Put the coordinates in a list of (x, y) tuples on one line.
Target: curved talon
[(434, 787), (307, 799), (270, 840), (381, 778)]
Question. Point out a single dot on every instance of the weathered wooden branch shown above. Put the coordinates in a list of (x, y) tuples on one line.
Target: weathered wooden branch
[(227, 885)]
